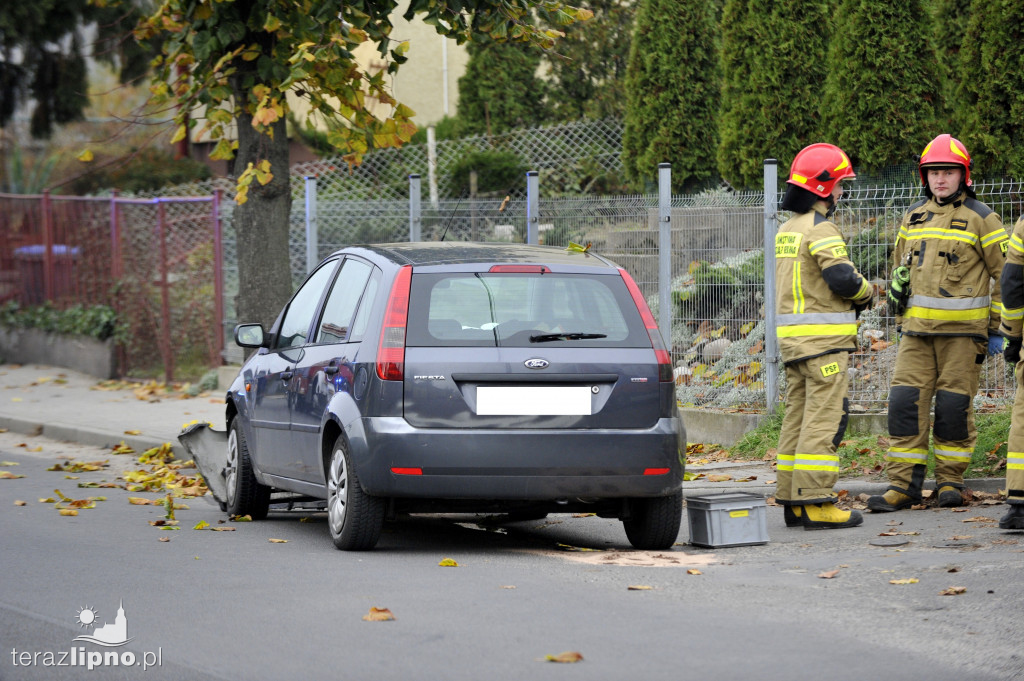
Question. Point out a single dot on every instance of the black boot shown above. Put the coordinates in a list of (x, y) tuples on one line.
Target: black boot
[(793, 515), (950, 497), (1014, 518)]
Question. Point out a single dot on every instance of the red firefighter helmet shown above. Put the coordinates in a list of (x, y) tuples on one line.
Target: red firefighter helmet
[(818, 167), (945, 151)]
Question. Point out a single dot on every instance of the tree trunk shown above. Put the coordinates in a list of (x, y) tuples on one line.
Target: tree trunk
[(262, 225)]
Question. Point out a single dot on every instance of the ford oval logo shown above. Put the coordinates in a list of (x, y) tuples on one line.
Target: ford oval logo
[(536, 363)]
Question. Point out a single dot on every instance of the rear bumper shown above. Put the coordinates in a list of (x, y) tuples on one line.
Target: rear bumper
[(519, 464)]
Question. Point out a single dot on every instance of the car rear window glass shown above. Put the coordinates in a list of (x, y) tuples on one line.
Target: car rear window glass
[(522, 310)]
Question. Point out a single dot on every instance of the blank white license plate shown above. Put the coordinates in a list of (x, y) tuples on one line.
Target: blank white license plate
[(533, 401)]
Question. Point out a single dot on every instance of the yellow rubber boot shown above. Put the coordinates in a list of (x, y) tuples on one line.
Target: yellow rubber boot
[(950, 497), (827, 517), (793, 515), (892, 500)]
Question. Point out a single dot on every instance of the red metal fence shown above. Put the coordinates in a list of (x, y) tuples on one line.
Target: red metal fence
[(157, 262)]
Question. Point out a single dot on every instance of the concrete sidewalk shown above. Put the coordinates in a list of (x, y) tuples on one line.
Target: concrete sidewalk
[(62, 404)]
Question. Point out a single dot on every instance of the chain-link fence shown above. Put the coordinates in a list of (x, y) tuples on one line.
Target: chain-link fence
[(155, 261), (716, 283)]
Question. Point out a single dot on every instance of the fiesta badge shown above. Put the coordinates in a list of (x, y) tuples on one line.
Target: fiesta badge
[(537, 363)]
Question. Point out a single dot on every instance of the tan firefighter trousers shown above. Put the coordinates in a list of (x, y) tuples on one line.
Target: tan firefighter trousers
[(946, 368), (816, 414), (1015, 446)]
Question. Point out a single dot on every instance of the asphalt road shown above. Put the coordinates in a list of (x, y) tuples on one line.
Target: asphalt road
[(234, 605)]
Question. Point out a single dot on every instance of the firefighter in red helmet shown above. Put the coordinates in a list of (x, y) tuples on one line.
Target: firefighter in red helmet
[(950, 246), (819, 294)]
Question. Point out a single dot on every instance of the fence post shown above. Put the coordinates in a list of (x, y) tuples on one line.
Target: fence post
[(116, 265), (415, 209), (312, 236), (665, 251), (432, 166), (165, 294), (48, 283), (771, 340), (532, 207), (218, 271)]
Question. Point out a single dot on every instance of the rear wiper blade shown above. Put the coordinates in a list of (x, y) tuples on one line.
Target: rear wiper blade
[(546, 337)]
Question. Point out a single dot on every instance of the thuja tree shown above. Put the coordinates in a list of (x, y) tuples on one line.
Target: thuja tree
[(949, 19), (991, 112), (672, 93), (588, 70), (227, 65), (773, 70), (881, 92), (500, 89)]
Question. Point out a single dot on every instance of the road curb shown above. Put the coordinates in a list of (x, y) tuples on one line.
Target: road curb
[(87, 436)]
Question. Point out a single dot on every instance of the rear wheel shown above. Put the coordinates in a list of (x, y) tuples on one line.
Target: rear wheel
[(246, 496), (354, 518), (654, 522)]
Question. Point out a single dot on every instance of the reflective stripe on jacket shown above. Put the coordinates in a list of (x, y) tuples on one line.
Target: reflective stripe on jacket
[(814, 284), (1011, 284), (953, 251)]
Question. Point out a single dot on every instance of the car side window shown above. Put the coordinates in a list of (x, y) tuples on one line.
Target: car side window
[(297, 320), (342, 301), (362, 319)]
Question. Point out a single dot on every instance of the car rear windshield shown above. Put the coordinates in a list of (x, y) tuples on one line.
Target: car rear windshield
[(523, 310)]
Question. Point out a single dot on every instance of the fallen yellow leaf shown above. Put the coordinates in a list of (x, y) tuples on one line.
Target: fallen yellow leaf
[(68, 511), (829, 575), (719, 478), (140, 501), (694, 571), (242, 518), (638, 587), (448, 562), (47, 500), (566, 657), (222, 529), (133, 432), (18, 502), (378, 615), (9, 463), (201, 525), (162, 522), (953, 591), (164, 538), (7, 475), (909, 580), (277, 541)]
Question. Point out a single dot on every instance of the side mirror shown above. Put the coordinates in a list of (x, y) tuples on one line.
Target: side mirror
[(250, 335)]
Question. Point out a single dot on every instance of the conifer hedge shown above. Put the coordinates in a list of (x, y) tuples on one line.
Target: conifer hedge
[(672, 87), (882, 89), (991, 113), (774, 64)]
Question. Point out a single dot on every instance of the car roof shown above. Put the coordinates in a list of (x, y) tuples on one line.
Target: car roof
[(456, 252)]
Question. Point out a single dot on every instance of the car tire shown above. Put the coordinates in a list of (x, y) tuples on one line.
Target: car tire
[(654, 522), (355, 519), (246, 496)]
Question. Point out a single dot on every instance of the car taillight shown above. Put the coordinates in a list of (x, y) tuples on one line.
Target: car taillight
[(660, 351), (391, 351)]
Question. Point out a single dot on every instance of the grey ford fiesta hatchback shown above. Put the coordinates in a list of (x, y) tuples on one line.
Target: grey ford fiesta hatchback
[(458, 377)]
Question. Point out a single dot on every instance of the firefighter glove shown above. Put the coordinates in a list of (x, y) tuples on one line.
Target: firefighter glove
[(899, 290), (1012, 350), (995, 345)]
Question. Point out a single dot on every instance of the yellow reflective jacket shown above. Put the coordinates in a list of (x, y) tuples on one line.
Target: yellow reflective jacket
[(1011, 284), (954, 251), (815, 283)]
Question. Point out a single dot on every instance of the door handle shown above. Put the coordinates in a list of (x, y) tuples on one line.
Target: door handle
[(331, 369), (287, 375)]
